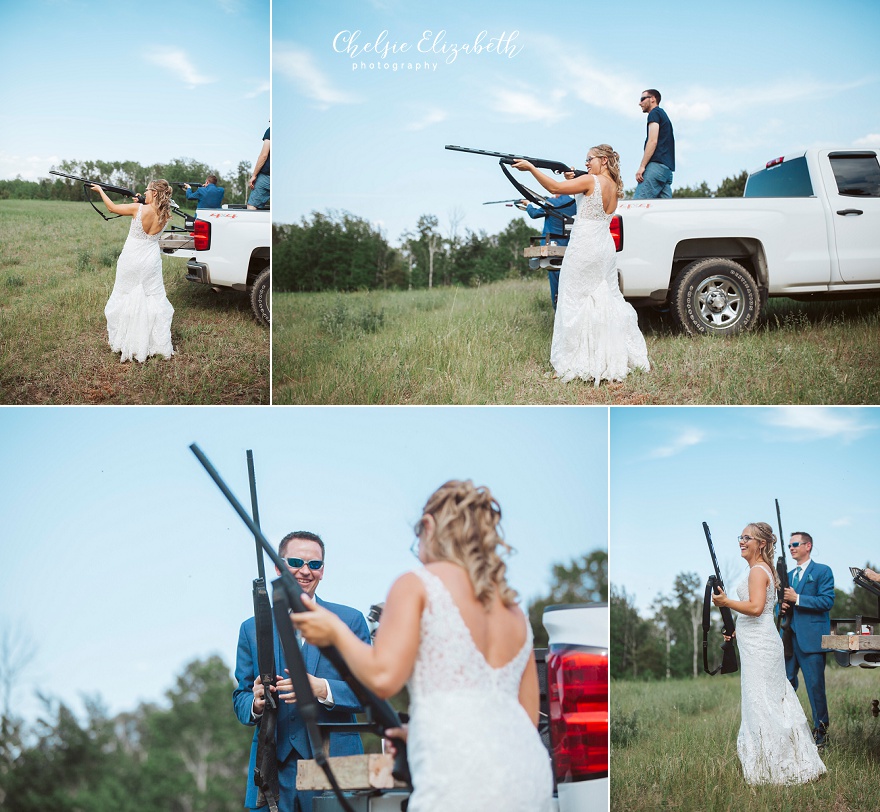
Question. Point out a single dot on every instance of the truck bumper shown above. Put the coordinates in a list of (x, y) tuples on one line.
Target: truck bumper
[(198, 272)]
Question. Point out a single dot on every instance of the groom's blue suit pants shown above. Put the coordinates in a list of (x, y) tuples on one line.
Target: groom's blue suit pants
[(812, 665)]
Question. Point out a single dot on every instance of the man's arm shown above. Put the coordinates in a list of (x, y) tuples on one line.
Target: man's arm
[(650, 146), (261, 159), (245, 674), (535, 212)]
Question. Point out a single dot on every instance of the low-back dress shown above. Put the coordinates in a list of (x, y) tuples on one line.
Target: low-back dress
[(596, 331), (138, 312), (471, 744), (775, 745)]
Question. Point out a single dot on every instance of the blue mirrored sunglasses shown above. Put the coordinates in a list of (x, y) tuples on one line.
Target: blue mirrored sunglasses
[(296, 563)]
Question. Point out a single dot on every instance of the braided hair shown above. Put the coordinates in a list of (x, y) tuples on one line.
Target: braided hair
[(763, 532), (467, 533), (162, 198), (612, 162)]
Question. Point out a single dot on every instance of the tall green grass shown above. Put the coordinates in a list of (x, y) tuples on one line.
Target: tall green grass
[(57, 266), (492, 345), (673, 747)]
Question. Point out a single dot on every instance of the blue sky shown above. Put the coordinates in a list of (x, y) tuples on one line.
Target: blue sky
[(123, 561), (674, 468), (104, 80), (742, 82)]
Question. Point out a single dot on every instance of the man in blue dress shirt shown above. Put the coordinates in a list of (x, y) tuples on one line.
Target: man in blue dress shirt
[(210, 196)]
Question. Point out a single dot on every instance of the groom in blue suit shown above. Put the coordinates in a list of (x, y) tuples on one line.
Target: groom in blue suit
[(809, 598), (304, 553)]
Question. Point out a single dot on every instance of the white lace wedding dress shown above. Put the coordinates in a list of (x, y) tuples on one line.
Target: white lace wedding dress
[(138, 312), (472, 746), (775, 745), (596, 332)]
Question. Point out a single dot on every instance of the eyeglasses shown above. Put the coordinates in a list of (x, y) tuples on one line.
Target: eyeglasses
[(296, 563), (745, 538), (591, 158), (644, 98), (794, 544)]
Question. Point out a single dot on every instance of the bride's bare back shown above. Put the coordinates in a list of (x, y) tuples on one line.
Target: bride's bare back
[(499, 631)]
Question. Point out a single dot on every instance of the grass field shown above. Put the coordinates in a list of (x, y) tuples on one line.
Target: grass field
[(57, 266), (492, 345), (673, 747)]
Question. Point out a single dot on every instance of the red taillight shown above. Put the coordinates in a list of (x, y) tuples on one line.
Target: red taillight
[(774, 162), (202, 235), (577, 690), (617, 232)]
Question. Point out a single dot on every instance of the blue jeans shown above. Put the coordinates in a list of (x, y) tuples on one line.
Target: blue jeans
[(260, 195), (553, 277), (657, 182)]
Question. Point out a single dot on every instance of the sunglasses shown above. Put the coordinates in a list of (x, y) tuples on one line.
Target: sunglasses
[(296, 563), (794, 544)]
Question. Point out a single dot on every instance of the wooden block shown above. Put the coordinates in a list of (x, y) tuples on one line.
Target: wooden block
[(851, 642), (544, 251), (370, 771)]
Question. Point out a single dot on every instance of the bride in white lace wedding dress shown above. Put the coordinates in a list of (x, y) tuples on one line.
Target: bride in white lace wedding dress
[(596, 331), (774, 744), (453, 630), (138, 312)]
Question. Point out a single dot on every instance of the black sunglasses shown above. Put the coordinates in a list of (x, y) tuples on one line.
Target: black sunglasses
[(296, 563)]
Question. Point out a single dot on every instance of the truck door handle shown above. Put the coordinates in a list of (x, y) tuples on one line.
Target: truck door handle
[(846, 212)]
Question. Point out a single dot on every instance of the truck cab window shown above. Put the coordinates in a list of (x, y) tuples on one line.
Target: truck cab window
[(787, 179), (857, 174)]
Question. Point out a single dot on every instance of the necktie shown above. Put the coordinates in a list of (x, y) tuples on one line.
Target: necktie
[(796, 579)]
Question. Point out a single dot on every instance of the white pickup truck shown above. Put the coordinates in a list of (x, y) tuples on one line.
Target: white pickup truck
[(807, 227), (228, 248)]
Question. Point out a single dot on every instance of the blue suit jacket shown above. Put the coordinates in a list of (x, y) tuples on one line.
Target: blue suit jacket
[(811, 618), (209, 197), (291, 734)]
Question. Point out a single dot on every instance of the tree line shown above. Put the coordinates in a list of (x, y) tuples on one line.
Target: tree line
[(337, 250), (129, 174), (667, 641)]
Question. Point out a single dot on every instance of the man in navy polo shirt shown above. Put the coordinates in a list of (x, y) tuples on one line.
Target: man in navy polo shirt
[(210, 196), (658, 162), (259, 181)]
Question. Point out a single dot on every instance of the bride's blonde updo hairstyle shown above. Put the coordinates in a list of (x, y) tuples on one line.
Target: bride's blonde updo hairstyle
[(467, 533), (162, 200), (613, 164), (762, 531)]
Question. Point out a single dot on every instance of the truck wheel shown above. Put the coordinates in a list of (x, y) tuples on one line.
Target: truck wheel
[(716, 296), (261, 294)]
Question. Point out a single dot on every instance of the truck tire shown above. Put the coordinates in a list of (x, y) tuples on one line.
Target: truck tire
[(261, 294), (715, 296)]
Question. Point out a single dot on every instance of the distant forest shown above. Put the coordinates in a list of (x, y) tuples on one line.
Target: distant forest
[(129, 174), (667, 642), (337, 250)]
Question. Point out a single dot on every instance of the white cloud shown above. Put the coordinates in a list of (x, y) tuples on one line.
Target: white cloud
[(431, 117), (871, 140), (259, 90), (178, 62), (843, 521), (687, 438), (525, 105), (28, 167), (818, 423), (297, 65)]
